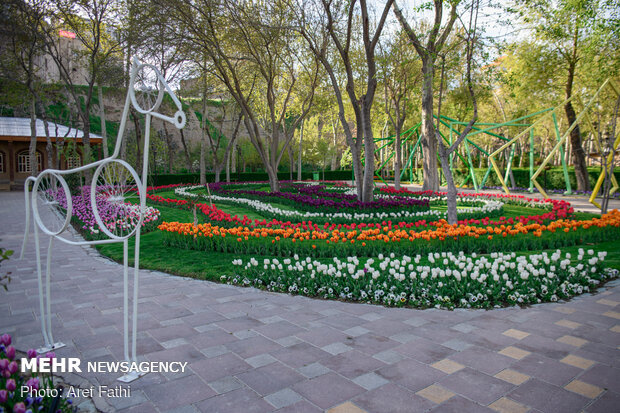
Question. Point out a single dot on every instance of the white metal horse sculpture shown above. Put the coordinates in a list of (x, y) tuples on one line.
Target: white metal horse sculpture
[(115, 187)]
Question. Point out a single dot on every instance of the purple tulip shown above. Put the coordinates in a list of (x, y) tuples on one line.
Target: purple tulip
[(33, 383), (50, 355), (19, 408), (32, 353), (11, 385), (5, 339), (4, 364), (6, 374), (13, 367), (10, 352), (4, 395)]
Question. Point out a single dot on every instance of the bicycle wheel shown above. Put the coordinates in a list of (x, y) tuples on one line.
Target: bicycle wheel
[(116, 198), (51, 192)]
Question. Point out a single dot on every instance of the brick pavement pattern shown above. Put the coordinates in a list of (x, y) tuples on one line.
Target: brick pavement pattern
[(255, 351)]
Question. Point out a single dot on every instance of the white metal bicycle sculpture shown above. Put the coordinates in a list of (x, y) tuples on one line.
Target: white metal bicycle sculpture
[(115, 186)]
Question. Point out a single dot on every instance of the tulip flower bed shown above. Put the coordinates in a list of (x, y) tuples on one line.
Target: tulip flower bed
[(221, 246), (441, 280), (471, 208), (310, 239), (310, 197), (112, 214), (12, 399)]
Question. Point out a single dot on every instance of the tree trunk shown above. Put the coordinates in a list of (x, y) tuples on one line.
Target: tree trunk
[(334, 164), (188, 161), (579, 158), (398, 160), (138, 131), (274, 184), (104, 132), (451, 198), (429, 141), (32, 152), (369, 153), (301, 139)]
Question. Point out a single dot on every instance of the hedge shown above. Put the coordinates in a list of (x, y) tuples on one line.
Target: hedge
[(168, 179), (554, 180)]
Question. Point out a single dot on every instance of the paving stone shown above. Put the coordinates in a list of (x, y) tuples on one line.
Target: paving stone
[(300, 407), (389, 357), (514, 352), (271, 378), (568, 324), (313, 370), (226, 384), (411, 374), (186, 390), (481, 359), (356, 331), (476, 386), (435, 393), (513, 377), (616, 328), (611, 303), (458, 404), (505, 405), (448, 366), (456, 344), (549, 370), (548, 398), (392, 399), (573, 341), (583, 388), (464, 328), (370, 381), (607, 403), (336, 348), (327, 390), (347, 407), (577, 361), (283, 398), (603, 376), (240, 400), (514, 333), (260, 360), (612, 314)]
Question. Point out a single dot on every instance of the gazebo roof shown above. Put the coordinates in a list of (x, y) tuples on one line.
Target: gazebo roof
[(19, 128)]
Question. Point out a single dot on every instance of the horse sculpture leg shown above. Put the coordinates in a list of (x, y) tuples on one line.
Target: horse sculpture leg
[(48, 342)]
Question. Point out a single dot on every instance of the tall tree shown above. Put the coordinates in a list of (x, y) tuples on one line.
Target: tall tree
[(575, 32), (92, 22), (339, 22), (249, 43), (20, 59), (429, 51), (400, 74)]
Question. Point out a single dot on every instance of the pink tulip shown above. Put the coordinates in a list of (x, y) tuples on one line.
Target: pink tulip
[(19, 408), (33, 383), (13, 367), (10, 352), (11, 385), (5, 339)]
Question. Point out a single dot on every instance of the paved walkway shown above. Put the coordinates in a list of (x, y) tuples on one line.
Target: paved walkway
[(254, 351)]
